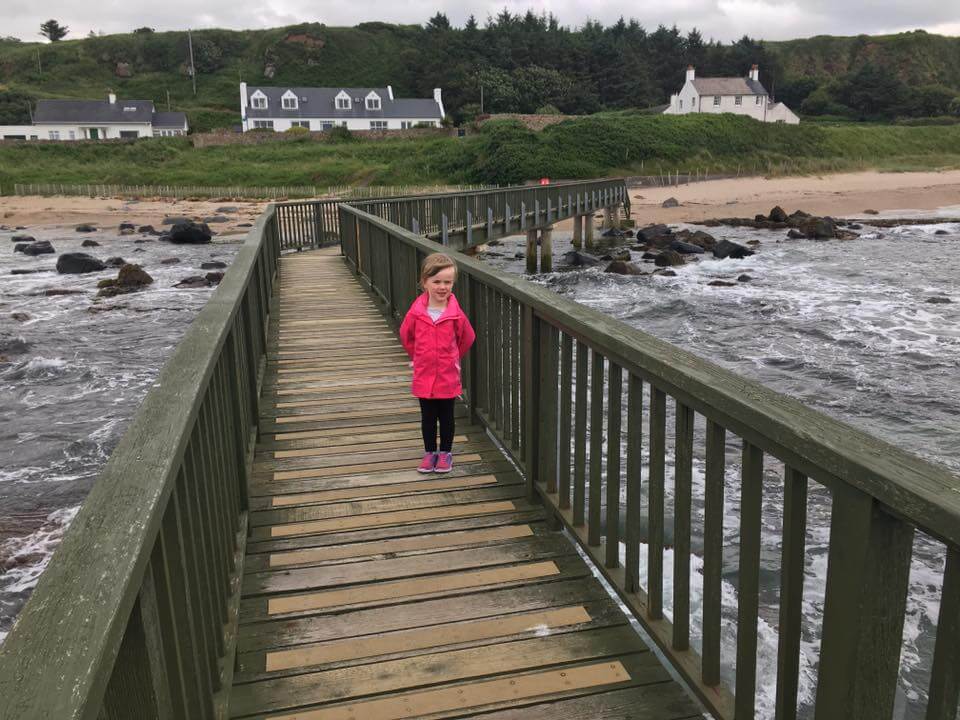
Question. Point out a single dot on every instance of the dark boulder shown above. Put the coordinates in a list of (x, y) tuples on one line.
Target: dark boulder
[(23, 238), (40, 247), (778, 214), (870, 212), (744, 278), (621, 267), (126, 226), (76, 263), (753, 242), (794, 234), (239, 225), (53, 292), (649, 256), (651, 233), (665, 272), (728, 249), (940, 232), (580, 259), (115, 262), (127, 231), (219, 264), (176, 220), (216, 219), (20, 247), (192, 282), (86, 227), (614, 233), (227, 209), (670, 202), (170, 261), (89, 243), (147, 230), (818, 228), (939, 300), (20, 316), (26, 271), (855, 226), (214, 278), (131, 275), (622, 254), (668, 258), (685, 248), (189, 233), (721, 283), (760, 218)]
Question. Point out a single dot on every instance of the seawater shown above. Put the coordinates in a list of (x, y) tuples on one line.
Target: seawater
[(72, 377), (844, 327)]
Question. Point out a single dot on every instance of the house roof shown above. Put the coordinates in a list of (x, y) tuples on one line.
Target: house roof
[(728, 86), (320, 103), (170, 119), (93, 111)]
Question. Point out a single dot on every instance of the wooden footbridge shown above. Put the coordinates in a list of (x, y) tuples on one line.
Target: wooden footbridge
[(258, 545)]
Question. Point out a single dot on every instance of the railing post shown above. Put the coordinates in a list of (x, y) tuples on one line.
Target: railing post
[(469, 228), (867, 575), (506, 219), (523, 216), (531, 398), (489, 222), (445, 234), (473, 300)]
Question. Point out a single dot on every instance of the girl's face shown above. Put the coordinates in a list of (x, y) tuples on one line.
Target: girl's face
[(440, 285)]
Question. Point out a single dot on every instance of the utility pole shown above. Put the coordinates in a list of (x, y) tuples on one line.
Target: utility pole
[(193, 70), (39, 66)]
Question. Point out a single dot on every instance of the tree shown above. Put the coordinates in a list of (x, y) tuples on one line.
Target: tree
[(53, 30), (143, 30)]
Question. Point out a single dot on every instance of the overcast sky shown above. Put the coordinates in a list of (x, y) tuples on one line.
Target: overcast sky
[(719, 19)]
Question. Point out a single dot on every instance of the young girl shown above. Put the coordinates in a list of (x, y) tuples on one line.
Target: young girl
[(436, 334)]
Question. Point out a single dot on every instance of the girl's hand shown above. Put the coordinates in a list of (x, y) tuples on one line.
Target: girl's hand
[(410, 364)]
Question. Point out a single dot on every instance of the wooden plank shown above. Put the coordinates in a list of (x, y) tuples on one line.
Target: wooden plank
[(356, 444), (580, 435), (712, 551), (655, 501), (791, 592), (683, 491), (404, 461), (945, 672), (596, 448), (424, 485), (748, 590)]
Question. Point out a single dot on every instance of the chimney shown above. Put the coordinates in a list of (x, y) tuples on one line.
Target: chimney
[(691, 73), (112, 98), (439, 100), (243, 101), (755, 73), (390, 92)]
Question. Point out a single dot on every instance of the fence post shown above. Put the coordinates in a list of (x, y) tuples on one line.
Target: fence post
[(531, 398)]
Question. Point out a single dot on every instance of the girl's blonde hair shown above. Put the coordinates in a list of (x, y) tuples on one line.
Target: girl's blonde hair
[(432, 264)]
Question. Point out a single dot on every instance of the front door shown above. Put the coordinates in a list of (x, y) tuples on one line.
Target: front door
[(94, 133)]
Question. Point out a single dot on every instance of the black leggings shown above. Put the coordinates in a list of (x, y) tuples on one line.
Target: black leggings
[(433, 411)]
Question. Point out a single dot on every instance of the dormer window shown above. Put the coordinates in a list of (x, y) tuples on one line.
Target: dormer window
[(343, 101), (289, 100), (373, 101), (258, 101)]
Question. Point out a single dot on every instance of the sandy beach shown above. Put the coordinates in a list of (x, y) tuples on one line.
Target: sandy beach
[(843, 195), (33, 212)]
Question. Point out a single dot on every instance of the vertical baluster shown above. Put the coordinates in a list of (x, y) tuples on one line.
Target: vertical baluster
[(515, 423), (682, 491), (580, 436), (531, 400), (658, 449), (563, 444), (596, 449), (615, 382), (159, 618), (634, 466), (945, 673), (748, 593), (548, 407), (791, 592), (712, 551), (496, 348)]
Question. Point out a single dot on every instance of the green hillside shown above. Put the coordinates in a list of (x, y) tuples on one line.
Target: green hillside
[(523, 62)]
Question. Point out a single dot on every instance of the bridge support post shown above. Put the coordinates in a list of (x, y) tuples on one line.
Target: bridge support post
[(588, 231), (506, 219), (531, 251), (577, 231), (546, 249)]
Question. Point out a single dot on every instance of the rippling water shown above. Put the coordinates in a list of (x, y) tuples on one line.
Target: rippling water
[(843, 326), (71, 378)]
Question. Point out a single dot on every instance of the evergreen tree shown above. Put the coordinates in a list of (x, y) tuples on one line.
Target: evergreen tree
[(53, 30)]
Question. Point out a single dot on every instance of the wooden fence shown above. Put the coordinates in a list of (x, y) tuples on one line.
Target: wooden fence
[(136, 614), (575, 396)]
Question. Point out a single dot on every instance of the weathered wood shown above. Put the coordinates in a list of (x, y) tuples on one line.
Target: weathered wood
[(712, 551), (655, 501), (682, 499), (945, 672), (634, 465), (580, 436), (596, 448), (748, 591), (563, 442), (612, 540), (791, 592)]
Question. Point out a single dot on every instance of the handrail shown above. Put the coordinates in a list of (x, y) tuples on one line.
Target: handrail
[(459, 219), (135, 614), (520, 382)]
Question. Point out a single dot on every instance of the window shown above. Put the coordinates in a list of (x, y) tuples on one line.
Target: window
[(326, 125), (54, 134), (129, 134), (166, 133), (716, 101), (73, 135), (373, 103), (300, 123), (258, 101), (378, 124), (263, 124), (738, 100), (759, 99), (343, 103), (289, 102), (681, 104)]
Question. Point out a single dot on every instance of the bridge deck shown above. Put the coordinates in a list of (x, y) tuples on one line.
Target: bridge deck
[(372, 592)]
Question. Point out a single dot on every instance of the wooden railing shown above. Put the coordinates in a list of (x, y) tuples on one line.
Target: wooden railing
[(135, 616), (457, 219), (589, 406)]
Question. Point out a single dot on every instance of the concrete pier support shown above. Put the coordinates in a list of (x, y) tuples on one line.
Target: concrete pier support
[(607, 219), (615, 216), (531, 251), (546, 249), (588, 231), (578, 221)]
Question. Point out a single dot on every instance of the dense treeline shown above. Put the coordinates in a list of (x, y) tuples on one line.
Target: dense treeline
[(517, 62)]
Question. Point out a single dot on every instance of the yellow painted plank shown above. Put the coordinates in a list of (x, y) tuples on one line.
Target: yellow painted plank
[(410, 588)]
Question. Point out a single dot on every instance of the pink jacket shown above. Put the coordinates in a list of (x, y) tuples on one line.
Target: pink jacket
[(436, 348)]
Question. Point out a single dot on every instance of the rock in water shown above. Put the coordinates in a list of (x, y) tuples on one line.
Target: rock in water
[(685, 248), (214, 278), (76, 263), (818, 228), (126, 226), (40, 247), (668, 258), (793, 234), (23, 239), (939, 300), (721, 283), (621, 267), (147, 229), (86, 227), (115, 262), (778, 214), (133, 276), (20, 316), (653, 233), (727, 249), (20, 247), (89, 243), (580, 259), (176, 220), (190, 233), (220, 265), (194, 281), (670, 202), (744, 278), (170, 261)]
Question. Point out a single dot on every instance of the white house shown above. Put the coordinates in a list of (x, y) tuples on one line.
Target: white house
[(97, 120), (742, 96), (280, 108)]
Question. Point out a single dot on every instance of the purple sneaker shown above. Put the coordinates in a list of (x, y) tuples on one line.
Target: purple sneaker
[(428, 464), (444, 462)]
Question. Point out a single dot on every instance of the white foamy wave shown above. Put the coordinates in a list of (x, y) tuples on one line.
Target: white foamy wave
[(27, 557), (37, 367)]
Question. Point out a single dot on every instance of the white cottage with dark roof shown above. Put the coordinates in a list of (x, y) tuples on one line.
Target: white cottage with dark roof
[(741, 96), (97, 120), (281, 108)]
